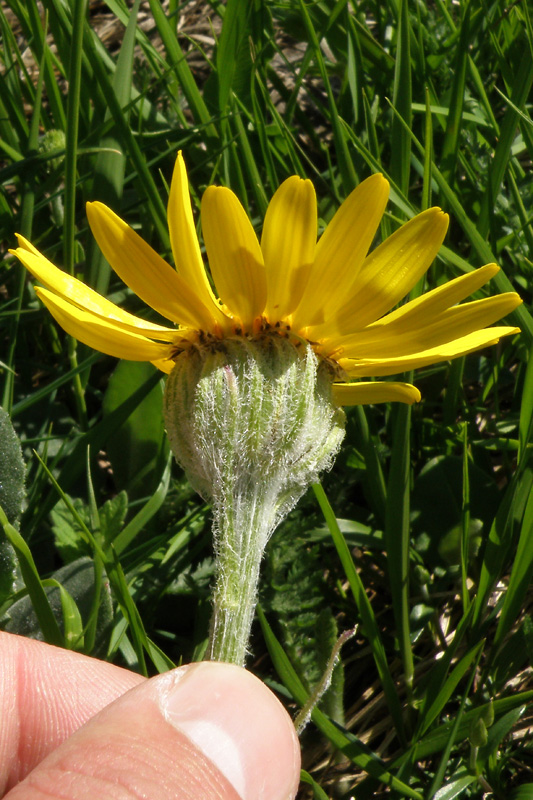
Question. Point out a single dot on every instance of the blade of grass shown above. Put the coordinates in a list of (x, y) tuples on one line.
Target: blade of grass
[(109, 166), (526, 414), (92, 624), (380, 60), (163, 73), (42, 51), (259, 123), (521, 314), (465, 523), (71, 133), (373, 479), (25, 223), (520, 92), (525, 218), (455, 787), (233, 35), (439, 671), (148, 511), (521, 575), (61, 28), (186, 80), (373, 141), (428, 154), (397, 538), (360, 755), (453, 391), (502, 533), (41, 605), (371, 629), (318, 792), (345, 163), (402, 102), (158, 214), (450, 144), (141, 641), (243, 151), (70, 177), (354, 68), (14, 124), (294, 157), (448, 687), (443, 762)]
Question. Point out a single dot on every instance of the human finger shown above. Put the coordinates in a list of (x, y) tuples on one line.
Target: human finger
[(208, 731), (46, 693)]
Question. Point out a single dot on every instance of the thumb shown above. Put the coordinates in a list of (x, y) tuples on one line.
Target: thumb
[(207, 731)]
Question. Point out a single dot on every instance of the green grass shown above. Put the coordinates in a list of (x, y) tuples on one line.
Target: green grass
[(422, 533)]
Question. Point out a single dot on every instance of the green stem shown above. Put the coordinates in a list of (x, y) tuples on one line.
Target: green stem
[(242, 533), (242, 522)]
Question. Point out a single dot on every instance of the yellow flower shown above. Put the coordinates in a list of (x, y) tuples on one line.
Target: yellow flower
[(331, 293)]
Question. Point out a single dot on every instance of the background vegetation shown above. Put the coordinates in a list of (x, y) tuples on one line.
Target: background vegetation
[(422, 535)]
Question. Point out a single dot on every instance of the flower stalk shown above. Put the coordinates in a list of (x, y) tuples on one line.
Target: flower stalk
[(252, 422)]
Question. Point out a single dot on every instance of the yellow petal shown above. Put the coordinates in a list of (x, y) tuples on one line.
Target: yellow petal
[(459, 347), (354, 394), (184, 241), (288, 244), (165, 365), (389, 273), (24, 244), (445, 296), (101, 334), (77, 293), (235, 257), (144, 271), (341, 251), (404, 336)]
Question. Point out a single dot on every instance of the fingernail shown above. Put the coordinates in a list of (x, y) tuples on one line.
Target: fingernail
[(236, 721)]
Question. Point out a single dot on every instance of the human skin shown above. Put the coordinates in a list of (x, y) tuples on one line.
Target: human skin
[(75, 728)]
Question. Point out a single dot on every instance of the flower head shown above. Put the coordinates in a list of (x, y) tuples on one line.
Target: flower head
[(257, 373), (331, 294)]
